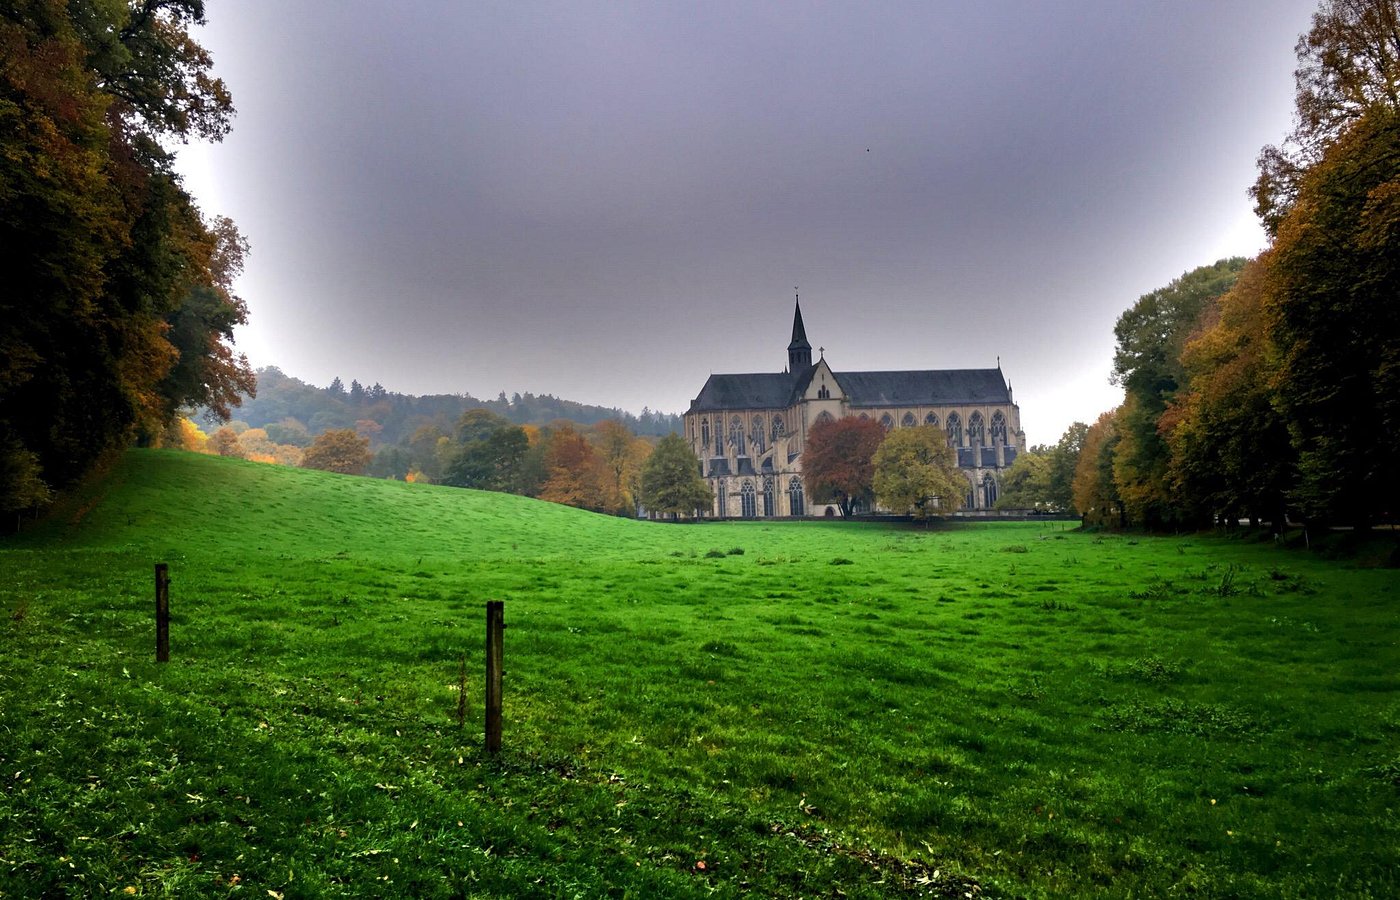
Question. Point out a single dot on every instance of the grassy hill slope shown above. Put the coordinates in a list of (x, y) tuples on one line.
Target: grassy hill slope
[(745, 708)]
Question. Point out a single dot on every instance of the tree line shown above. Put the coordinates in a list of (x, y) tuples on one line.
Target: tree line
[(1269, 389), (442, 439), (602, 467), (117, 309), (284, 399)]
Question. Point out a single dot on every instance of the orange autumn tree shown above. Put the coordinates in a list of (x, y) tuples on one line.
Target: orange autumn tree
[(576, 474), (225, 442), (1095, 493)]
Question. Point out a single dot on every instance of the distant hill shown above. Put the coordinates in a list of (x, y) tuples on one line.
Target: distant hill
[(280, 397)]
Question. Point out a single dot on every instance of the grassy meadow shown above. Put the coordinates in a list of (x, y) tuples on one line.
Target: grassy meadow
[(731, 709)]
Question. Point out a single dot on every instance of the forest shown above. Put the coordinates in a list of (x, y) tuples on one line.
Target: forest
[(117, 311), (392, 418), (1269, 389)]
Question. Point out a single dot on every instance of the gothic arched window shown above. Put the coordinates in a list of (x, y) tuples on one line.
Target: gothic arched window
[(954, 429), (989, 490), (976, 431), (998, 429), (886, 421), (748, 506), (736, 435), (931, 419), (796, 504), (705, 434), (768, 496), (778, 429), (908, 421), (757, 435), (826, 417)]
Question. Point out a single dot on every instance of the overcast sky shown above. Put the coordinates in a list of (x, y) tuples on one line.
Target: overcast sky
[(610, 201)]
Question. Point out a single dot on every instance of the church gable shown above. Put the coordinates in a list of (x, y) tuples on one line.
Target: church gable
[(820, 383)]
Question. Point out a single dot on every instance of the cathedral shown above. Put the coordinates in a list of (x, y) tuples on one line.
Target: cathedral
[(748, 430)]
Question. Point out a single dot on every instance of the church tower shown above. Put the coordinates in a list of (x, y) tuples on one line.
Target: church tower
[(799, 351)]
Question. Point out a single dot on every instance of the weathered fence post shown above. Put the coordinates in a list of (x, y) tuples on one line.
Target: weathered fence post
[(162, 613), (495, 625)]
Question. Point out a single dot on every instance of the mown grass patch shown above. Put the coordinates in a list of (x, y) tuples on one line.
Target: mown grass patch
[(1175, 716)]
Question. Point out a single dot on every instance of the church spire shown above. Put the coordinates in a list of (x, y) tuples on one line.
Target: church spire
[(799, 351)]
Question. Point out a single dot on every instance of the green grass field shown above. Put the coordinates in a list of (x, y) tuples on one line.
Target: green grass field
[(758, 708)]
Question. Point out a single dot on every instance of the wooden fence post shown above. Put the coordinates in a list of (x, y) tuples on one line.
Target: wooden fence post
[(495, 625), (162, 613)]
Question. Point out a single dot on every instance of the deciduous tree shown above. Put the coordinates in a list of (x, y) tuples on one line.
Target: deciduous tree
[(576, 474), (1095, 493), (478, 425), (289, 431), (838, 460), (1348, 68), (1026, 485), (114, 312), (613, 442), (671, 483), (916, 473), (1064, 459), (1231, 455), (338, 450), (225, 442), (492, 463), (1334, 322), (1151, 335)]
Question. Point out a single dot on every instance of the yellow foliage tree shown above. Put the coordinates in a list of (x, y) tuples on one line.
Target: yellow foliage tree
[(916, 473), (184, 434)]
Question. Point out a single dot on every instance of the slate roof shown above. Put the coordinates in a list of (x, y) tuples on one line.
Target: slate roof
[(928, 387), (761, 390)]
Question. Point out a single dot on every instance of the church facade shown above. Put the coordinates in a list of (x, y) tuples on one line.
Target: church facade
[(748, 430)]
